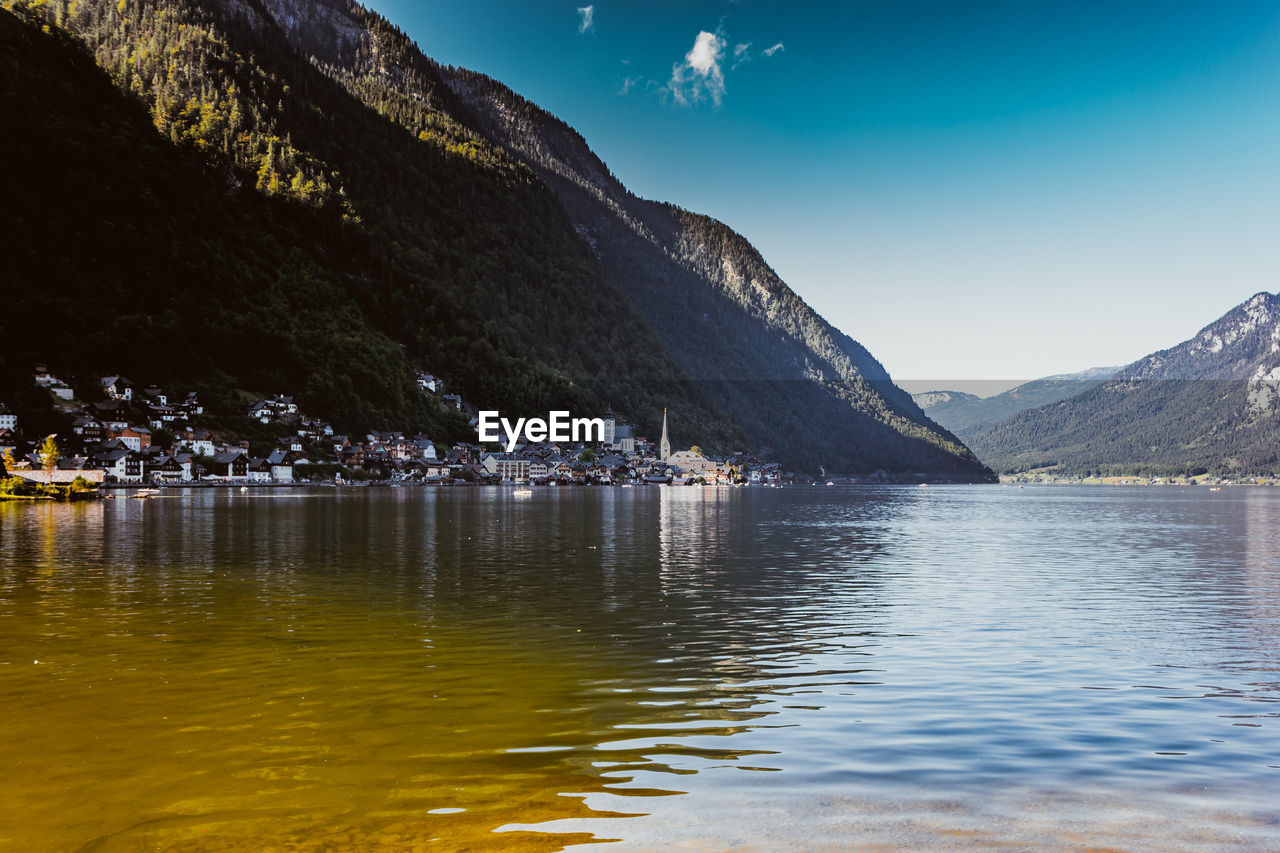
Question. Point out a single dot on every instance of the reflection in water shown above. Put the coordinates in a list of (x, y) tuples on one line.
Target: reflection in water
[(392, 668)]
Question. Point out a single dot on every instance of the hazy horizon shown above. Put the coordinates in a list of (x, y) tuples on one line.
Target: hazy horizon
[(979, 387)]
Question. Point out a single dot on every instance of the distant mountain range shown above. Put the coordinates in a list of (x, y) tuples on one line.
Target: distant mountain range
[(1208, 405), (287, 195), (969, 416)]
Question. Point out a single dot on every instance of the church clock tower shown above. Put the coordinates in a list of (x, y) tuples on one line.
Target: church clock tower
[(664, 446)]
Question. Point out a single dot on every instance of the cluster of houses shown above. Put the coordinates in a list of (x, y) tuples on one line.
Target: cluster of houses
[(616, 457), (547, 464), (113, 441)]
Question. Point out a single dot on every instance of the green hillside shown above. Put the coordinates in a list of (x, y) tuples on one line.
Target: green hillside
[(237, 219)]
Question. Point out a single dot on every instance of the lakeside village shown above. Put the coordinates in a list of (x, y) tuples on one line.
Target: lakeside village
[(139, 437)]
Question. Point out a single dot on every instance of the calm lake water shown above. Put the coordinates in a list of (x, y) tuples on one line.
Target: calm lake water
[(801, 668)]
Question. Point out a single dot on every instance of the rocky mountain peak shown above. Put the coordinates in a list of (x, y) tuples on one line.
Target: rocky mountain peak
[(1238, 345)]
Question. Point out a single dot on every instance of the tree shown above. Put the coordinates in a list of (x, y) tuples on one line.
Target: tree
[(587, 455), (49, 457), (89, 389)]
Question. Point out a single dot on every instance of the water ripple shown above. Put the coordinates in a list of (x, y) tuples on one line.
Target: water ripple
[(778, 668)]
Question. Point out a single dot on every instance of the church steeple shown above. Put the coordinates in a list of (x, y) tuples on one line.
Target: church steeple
[(664, 446)]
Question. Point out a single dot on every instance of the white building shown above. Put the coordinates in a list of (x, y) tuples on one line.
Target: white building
[(132, 437), (692, 462), (281, 468), (117, 387), (513, 469), (201, 443), (623, 439), (124, 465)]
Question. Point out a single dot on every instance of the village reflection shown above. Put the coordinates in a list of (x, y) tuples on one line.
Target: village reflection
[(693, 526), (297, 653)]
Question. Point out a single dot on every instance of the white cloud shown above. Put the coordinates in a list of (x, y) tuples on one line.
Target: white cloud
[(628, 83), (770, 51), (700, 74), (588, 21), (741, 53), (705, 55)]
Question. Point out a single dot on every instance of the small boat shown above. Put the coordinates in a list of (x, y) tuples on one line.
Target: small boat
[(522, 493), (1215, 488), (143, 494)]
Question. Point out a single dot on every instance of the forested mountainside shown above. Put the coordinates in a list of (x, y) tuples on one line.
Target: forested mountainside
[(123, 251), (718, 306), (969, 416), (218, 210), (288, 195), (1208, 405)]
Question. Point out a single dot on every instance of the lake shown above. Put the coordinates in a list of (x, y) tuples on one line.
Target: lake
[(705, 668)]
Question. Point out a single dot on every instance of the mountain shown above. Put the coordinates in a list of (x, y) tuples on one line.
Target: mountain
[(287, 195), (787, 375), (1210, 404), (969, 416), (931, 399), (196, 202)]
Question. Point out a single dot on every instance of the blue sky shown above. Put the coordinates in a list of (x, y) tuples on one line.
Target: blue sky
[(989, 191)]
